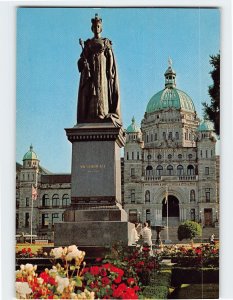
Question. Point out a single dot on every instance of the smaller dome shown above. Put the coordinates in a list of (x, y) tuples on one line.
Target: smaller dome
[(133, 127), (30, 154), (206, 125)]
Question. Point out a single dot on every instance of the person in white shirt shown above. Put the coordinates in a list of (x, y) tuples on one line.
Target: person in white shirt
[(147, 235)]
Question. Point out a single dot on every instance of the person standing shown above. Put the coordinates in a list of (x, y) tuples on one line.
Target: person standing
[(134, 237), (147, 235)]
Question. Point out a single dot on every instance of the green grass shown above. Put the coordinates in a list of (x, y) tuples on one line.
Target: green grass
[(196, 291), (34, 247)]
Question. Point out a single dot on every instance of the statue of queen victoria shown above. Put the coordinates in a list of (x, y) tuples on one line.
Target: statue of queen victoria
[(98, 97)]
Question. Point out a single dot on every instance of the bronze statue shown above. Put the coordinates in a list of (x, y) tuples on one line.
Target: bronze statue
[(98, 97)]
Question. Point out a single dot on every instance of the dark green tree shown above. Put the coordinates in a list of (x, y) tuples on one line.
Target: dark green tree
[(189, 230), (212, 110)]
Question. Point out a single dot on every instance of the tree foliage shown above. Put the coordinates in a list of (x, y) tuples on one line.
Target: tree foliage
[(189, 230), (212, 110)]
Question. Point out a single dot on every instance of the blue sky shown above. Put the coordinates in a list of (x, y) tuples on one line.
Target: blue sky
[(143, 39)]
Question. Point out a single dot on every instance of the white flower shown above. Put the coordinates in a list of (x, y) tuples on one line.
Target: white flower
[(86, 295), (62, 283), (57, 252), (73, 253), (22, 290), (40, 280), (29, 268), (22, 267)]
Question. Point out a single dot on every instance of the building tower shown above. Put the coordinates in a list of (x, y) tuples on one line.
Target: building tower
[(27, 177)]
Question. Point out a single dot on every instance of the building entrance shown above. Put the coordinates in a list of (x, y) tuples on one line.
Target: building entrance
[(173, 207)]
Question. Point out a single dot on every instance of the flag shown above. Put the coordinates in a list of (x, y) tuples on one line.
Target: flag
[(34, 193)]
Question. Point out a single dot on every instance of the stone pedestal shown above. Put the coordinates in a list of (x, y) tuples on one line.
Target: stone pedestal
[(95, 217)]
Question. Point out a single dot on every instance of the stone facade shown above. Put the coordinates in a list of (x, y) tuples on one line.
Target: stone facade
[(53, 197), (173, 154)]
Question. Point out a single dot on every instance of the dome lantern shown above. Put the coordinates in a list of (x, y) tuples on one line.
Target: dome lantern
[(170, 76)]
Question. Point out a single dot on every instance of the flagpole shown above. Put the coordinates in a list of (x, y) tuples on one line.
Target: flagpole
[(167, 211), (31, 212), (32, 194)]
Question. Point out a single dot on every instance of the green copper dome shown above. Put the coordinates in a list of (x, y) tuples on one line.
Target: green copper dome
[(30, 154), (170, 96), (133, 127), (206, 125)]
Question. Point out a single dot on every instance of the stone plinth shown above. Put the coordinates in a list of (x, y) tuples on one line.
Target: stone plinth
[(115, 213), (95, 218), (92, 233), (96, 168)]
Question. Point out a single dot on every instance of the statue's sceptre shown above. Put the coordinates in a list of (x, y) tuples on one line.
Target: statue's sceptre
[(85, 59)]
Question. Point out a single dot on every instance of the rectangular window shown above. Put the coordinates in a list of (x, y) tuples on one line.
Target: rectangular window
[(201, 153), (132, 155), (55, 218), (27, 201), (45, 220), (207, 196), (132, 196), (132, 172), (151, 137), (177, 135), (138, 155), (206, 153), (17, 221), (27, 219), (170, 135), (127, 155), (156, 137), (147, 138), (164, 135), (207, 170)]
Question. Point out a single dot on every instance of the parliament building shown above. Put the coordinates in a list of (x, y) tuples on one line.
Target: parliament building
[(170, 170)]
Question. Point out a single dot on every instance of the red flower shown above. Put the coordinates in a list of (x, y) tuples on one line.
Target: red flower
[(118, 279), (29, 250), (94, 270), (98, 259), (136, 288), (113, 286), (103, 272), (85, 270), (130, 281), (105, 281)]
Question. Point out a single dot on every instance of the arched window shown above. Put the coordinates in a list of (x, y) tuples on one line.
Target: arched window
[(179, 156), (45, 200), (192, 214), (159, 157), (190, 156), (65, 200), (159, 170), (149, 171), (55, 200), (192, 195), (190, 170), (147, 196), (170, 170), (177, 135), (180, 170), (169, 156)]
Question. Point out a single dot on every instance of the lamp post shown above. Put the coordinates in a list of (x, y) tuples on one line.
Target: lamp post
[(166, 201), (200, 217), (216, 216), (139, 217)]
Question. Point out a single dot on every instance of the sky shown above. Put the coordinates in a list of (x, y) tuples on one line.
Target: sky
[(143, 40)]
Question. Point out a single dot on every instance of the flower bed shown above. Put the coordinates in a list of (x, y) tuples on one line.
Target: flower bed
[(72, 279)]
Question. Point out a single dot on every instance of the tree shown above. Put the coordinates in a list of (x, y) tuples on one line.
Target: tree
[(212, 110), (189, 230)]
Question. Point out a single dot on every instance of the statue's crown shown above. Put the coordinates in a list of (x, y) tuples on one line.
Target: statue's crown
[(97, 19)]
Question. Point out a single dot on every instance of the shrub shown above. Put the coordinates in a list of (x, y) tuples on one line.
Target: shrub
[(189, 230)]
